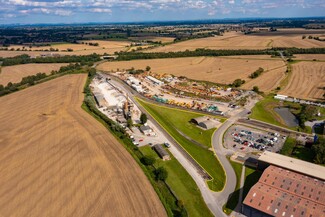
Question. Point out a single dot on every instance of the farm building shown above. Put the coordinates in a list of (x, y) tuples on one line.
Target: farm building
[(283, 192), (163, 154), (205, 122), (145, 129), (155, 81), (100, 100)]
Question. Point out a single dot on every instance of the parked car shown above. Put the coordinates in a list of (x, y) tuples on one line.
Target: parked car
[(167, 144)]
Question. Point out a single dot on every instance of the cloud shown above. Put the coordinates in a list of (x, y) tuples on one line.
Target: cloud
[(187, 8)]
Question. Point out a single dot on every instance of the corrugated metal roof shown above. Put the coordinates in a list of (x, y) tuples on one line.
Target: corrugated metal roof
[(281, 192)]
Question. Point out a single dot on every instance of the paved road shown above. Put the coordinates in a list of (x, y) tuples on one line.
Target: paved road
[(217, 142)]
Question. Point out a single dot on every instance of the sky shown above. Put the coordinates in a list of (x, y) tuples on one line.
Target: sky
[(81, 11)]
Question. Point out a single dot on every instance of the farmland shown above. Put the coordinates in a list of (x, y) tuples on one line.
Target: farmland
[(15, 73), (307, 81), (238, 40), (152, 38), (77, 49), (268, 80), (57, 160), (319, 57), (215, 69)]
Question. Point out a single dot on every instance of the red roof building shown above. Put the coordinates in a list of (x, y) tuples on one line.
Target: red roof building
[(281, 192)]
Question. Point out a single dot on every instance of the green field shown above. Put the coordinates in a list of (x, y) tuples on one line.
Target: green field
[(172, 121), (234, 197), (264, 111), (182, 184)]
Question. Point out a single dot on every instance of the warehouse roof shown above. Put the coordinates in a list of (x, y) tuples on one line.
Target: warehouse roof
[(199, 119), (293, 164), (281, 192), (208, 124), (160, 150)]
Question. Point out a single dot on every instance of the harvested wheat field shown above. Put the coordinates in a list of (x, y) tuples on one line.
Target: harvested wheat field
[(268, 80), (15, 73), (318, 57), (238, 40), (215, 69), (109, 47), (307, 81), (153, 38), (57, 160)]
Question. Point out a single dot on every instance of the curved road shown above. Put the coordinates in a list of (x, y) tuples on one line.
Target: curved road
[(221, 152)]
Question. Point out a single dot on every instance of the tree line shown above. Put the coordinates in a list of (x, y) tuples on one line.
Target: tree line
[(33, 79), (207, 52), (25, 59)]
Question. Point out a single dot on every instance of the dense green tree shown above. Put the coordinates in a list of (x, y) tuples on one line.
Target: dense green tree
[(256, 89), (148, 160), (238, 82), (161, 173), (143, 118), (319, 150)]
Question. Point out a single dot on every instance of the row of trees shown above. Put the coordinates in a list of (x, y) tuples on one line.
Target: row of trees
[(208, 52), (257, 73), (24, 59), (32, 79)]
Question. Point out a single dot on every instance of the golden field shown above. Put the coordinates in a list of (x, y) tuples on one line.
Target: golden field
[(15, 73), (57, 160), (238, 40), (319, 57), (153, 38), (215, 69), (268, 80), (307, 81), (78, 49)]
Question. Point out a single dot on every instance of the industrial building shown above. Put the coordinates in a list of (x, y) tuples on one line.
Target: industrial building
[(145, 129), (205, 122), (163, 154), (133, 80), (155, 81), (269, 158), (283, 192), (100, 100)]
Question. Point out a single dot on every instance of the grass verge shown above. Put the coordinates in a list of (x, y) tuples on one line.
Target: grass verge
[(234, 197), (182, 184), (168, 118)]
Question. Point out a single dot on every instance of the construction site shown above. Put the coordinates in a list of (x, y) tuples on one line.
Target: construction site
[(182, 92), (115, 102)]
